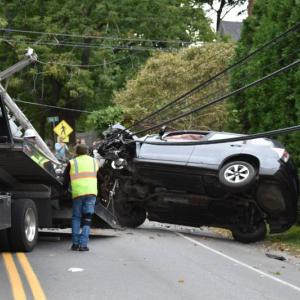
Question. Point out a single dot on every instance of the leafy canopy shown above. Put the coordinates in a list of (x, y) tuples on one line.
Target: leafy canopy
[(168, 75), (116, 36), (275, 103)]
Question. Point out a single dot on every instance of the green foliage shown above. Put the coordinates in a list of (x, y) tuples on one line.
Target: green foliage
[(275, 103), (100, 120), (168, 75), (59, 79)]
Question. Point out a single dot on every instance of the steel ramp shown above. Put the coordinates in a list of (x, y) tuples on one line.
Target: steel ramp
[(106, 215)]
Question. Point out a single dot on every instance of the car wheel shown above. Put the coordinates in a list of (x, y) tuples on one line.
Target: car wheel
[(23, 234), (257, 233), (237, 174), (130, 216)]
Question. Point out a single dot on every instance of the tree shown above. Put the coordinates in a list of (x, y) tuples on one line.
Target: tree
[(275, 103), (168, 75), (250, 7), (116, 37), (222, 7)]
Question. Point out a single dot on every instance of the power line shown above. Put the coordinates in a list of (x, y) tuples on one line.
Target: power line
[(228, 140), (211, 79), (93, 36), (82, 66), (242, 80), (52, 106), (84, 45), (235, 92), (203, 64)]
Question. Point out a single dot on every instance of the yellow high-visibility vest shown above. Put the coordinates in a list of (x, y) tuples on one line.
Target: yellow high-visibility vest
[(83, 174)]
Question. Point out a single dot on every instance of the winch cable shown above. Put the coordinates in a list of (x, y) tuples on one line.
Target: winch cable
[(242, 80), (265, 134), (222, 98), (211, 79)]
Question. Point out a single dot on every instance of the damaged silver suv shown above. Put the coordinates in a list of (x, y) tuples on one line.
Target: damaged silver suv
[(242, 186)]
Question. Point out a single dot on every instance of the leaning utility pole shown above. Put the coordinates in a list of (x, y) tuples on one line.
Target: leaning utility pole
[(30, 57)]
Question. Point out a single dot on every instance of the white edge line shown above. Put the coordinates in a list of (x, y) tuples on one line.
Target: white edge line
[(240, 263)]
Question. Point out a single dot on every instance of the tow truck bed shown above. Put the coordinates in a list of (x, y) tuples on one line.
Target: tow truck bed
[(24, 163)]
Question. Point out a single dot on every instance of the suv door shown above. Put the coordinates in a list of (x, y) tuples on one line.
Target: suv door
[(175, 154), (212, 155)]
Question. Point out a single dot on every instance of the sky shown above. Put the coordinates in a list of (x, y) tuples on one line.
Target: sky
[(231, 16)]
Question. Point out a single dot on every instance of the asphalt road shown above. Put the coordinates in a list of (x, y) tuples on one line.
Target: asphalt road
[(152, 262)]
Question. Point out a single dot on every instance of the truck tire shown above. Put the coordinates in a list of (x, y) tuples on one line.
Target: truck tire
[(4, 242), (23, 234)]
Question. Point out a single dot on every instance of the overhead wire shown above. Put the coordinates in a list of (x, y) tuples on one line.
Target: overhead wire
[(93, 36), (199, 66), (55, 107), (296, 27), (241, 80), (221, 73), (217, 100), (82, 66), (94, 46), (265, 134)]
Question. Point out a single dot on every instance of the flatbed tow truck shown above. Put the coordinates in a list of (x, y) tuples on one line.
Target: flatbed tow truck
[(31, 193)]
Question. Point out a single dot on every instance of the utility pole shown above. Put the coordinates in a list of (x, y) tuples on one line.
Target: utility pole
[(30, 57)]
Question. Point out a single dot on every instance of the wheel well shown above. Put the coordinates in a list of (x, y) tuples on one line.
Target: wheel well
[(243, 157)]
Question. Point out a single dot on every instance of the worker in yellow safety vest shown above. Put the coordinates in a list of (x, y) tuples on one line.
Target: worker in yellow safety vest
[(81, 175)]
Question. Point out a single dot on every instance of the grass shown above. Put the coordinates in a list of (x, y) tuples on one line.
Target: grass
[(289, 240)]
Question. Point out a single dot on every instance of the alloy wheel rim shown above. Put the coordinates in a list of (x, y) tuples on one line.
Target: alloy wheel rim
[(30, 225), (236, 173)]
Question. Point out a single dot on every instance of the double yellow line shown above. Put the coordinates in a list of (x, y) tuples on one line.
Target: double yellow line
[(15, 280)]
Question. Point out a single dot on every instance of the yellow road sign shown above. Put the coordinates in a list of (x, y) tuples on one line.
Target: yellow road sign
[(63, 129), (66, 139)]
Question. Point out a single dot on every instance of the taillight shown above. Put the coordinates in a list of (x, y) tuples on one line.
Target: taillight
[(282, 153)]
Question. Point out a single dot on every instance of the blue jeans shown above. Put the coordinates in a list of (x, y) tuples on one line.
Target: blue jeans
[(83, 209)]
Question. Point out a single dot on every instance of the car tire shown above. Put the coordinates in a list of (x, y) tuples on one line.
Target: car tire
[(237, 174), (23, 234), (131, 217), (258, 233)]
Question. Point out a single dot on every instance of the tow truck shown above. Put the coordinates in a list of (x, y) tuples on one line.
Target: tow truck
[(31, 190)]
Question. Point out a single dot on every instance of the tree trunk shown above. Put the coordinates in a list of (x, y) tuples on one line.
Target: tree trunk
[(219, 14), (250, 7), (85, 57)]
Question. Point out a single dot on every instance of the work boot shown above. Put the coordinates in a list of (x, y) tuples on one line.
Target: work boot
[(75, 247), (84, 248)]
